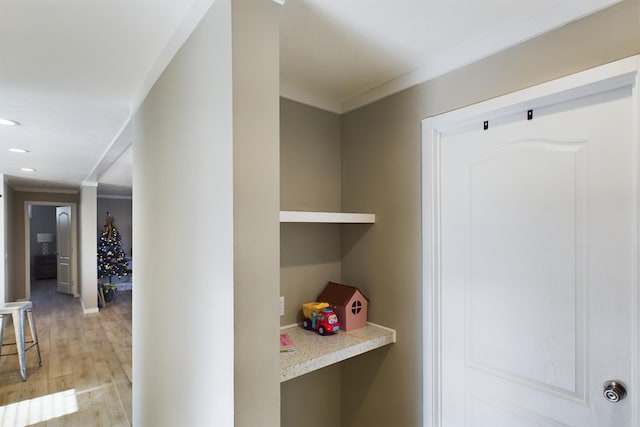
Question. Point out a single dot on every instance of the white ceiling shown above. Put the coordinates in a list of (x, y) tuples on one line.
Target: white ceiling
[(73, 71)]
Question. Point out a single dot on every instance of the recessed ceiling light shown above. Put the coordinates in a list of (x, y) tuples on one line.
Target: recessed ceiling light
[(18, 150), (27, 170), (7, 122)]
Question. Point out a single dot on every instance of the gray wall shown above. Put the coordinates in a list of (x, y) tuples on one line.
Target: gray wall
[(381, 174), (43, 220), (121, 210)]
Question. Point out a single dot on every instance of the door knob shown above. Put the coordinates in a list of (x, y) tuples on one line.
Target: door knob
[(614, 391)]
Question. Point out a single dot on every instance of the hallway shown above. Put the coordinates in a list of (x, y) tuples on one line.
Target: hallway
[(85, 378)]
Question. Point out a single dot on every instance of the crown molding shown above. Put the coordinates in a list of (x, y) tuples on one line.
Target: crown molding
[(45, 190)]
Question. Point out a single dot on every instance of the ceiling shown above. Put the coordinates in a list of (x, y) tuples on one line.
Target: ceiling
[(72, 72)]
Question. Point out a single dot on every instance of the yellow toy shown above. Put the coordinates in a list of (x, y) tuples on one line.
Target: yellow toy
[(319, 317)]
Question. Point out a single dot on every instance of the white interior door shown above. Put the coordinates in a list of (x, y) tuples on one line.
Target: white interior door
[(536, 267), (64, 241)]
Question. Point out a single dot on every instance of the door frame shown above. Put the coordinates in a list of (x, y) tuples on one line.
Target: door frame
[(27, 245), (607, 77)]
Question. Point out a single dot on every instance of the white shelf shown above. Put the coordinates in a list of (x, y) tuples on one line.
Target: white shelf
[(327, 217), (314, 351)]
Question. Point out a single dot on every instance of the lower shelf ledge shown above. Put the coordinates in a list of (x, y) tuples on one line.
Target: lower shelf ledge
[(327, 217), (313, 351)]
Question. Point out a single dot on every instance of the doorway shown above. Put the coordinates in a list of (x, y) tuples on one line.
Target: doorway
[(50, 245), (530, 243)]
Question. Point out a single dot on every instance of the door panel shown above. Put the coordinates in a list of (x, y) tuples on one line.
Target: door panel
[(510, 292), (63, 228), (538, 268)]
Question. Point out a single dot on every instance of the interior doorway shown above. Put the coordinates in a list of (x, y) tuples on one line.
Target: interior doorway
[(50, 245)]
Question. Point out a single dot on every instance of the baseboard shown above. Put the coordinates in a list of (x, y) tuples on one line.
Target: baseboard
[(89, 310)]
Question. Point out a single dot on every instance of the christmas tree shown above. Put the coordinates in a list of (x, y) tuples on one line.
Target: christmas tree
[(112, 260)]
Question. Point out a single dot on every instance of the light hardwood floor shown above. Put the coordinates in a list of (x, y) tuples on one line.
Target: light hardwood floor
[(85, 378)]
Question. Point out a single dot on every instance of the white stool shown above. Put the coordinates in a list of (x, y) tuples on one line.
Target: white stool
[(17, 310)]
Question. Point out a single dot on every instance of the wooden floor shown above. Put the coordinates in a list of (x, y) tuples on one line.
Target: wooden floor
[(85, 378)]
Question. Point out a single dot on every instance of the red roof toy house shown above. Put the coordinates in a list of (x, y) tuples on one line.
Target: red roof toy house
[(348, 302)]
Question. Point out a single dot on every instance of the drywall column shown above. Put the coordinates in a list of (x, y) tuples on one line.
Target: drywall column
[(88, 268), (183, 236), (3, 241), (256, 143)]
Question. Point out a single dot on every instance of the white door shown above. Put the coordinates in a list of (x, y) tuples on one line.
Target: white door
[(536, 303), (64, 241)]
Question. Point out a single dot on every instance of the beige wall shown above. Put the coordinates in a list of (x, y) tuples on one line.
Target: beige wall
[(310, 159), (256, 201), (381, 174), (313, 400), (310, 179), (87, 247)]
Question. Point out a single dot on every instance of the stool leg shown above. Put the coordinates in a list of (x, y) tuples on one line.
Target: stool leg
[(34, 335), (2, 316), (18, 325)]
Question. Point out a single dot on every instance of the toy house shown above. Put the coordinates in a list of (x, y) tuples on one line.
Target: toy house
[(349, 304)]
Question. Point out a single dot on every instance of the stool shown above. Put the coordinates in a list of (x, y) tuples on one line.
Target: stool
[(18, 310)]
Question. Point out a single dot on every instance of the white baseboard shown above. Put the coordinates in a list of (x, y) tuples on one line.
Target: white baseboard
[(89, 310)]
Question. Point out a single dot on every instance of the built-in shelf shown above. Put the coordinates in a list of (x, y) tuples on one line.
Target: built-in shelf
[(327, 217), (313, 351)]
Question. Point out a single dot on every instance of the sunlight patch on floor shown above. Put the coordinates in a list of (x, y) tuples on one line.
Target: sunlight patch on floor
[(43, 408)]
